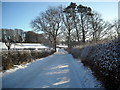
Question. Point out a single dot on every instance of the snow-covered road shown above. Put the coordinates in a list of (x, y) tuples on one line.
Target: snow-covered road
[(60, 70)]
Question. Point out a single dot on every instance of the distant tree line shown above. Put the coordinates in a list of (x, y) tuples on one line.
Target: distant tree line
[(74, 25), (10, 36), (32, 37)]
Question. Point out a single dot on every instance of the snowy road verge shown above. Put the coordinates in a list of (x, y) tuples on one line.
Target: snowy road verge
[(60, 70)]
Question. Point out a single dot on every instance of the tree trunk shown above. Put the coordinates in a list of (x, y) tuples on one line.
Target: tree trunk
[(55, 43), (8, 44), (83, 35), (78, 38), (69, 41), (8, 47), (76, 31), (83, 31)]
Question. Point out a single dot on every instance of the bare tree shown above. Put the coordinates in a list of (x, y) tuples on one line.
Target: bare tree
[(72, 8), (84, 12), (19, 35), (97, 25), (106, 29), (79, 17), (8, 37), (49, 22), (68, 24), (78, 24), (117, 27)]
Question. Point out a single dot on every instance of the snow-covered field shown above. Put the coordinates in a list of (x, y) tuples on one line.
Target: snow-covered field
[(24, 45), (60, 70)]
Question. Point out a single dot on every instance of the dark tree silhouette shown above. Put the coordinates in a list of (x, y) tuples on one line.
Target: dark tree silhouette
[(84, 12)]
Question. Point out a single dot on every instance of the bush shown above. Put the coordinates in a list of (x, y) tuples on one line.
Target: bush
[(76, 52), (11, 58), (104, 60)]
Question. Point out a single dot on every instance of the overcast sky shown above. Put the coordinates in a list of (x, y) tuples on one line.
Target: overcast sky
[(19, 14)]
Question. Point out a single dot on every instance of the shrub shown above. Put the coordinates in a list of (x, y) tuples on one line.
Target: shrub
[(11, 58), (104, 60)]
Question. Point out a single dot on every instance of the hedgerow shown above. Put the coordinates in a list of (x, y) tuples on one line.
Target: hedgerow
[(11, 58), (104, 61)]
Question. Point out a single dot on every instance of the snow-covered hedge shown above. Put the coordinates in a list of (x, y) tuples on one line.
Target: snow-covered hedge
[(104, 60), (76, 52), (11, 58)]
